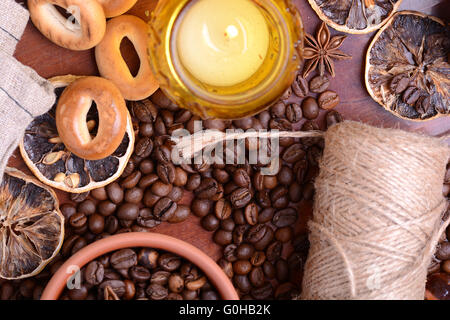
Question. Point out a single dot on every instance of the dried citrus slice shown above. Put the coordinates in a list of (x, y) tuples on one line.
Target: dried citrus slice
[(31, 225), (407, 66), (355, 16), (51, 162)]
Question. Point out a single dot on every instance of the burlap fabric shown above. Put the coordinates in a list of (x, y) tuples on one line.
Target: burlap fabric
[(23, 93)]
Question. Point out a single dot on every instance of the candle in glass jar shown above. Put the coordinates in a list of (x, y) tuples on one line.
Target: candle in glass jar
[(222, 42)]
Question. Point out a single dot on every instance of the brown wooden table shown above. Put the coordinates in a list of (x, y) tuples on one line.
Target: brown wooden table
[(50, 60)]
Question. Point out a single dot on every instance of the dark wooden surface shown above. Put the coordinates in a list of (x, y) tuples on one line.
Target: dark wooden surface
[(50, 60)]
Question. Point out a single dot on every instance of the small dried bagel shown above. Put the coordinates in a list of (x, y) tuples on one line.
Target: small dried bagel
[(82, 31), (114, 8), (73, 106), (111, 64)]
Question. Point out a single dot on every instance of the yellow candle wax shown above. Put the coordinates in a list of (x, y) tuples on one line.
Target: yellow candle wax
[(222, 42)]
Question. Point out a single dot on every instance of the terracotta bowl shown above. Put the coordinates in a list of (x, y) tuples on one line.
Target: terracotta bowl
[(135, 240)]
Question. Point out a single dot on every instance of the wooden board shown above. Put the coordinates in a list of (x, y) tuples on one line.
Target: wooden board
[(50, 60)]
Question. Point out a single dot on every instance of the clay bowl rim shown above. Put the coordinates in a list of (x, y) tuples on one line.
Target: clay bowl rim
[(96, 249)]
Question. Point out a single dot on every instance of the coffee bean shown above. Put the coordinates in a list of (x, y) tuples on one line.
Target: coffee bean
[(210, 222), (295, 192), (282, 270), (227, 267), (443, 251), (263, 199), (78, 294), (139, 273), (148, 258), (79, 197), (308, 191), (115, 192), (310, 108), (273, 251), (166, 172), (270, 182), (241, 178), (242, 267), (207, 188), (294, 153), (260, 236), (161, 189), (266, 215), (94, 273), (294, 113), (285, 175), (106, 208), (197, 284), (96, 223), (132, 180), (319, 84), (147, 180), (123, 259), (285, 291), (193, 182), (164, 209), (262, 293), (176, 283), (169, 262), (87, 207), (201, 207), (285, 217), (222, 209), (251, 214), (176, 194), (134, 195), (333, 117), (300, 87), (229, 252), (157, 292), (128, 211), (78, 220), (258, 258), (181, 177), (269, 269), (67, 210), (242, 283), (240, 197), (222, 237), (227, 224), (111, 224), (181, 214), (162, 154), (245, 251), (256, 277), (278, 110), (328, 100), (99, 194), (150, 199), (284, 234)]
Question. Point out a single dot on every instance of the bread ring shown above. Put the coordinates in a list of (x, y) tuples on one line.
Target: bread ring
[(114, 8), (81, 34), (111, 64), (71, 111)]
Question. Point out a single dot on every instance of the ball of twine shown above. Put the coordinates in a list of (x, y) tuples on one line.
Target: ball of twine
[(378, 214)]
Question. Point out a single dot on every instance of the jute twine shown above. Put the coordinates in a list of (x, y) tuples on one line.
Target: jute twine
[(378, 210), (377, 214)]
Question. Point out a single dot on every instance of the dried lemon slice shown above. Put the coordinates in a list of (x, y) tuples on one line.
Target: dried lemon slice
[(51, 162), (31, 225), (408, 67), (355, 16)]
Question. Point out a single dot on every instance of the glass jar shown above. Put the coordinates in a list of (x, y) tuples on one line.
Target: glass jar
[(261, 90)]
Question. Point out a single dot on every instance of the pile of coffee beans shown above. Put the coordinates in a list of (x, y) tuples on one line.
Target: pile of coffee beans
[(250, 215), (438, 282), (141, 274)]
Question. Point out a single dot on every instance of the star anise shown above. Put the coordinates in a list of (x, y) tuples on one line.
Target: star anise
[(322, 50), (110, 294)]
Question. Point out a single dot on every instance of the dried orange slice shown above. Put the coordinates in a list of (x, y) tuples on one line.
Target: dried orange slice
[(31, 225), (51, 162), (355, 16), (407, 66)]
